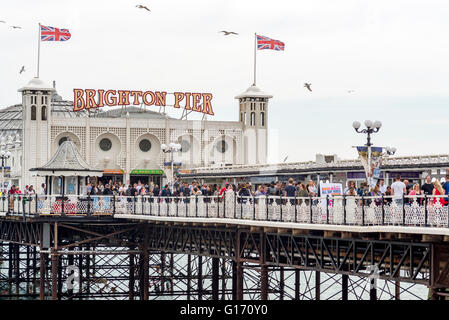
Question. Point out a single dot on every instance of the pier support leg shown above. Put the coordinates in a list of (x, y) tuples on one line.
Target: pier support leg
[(281, 284), (373, 291), (223, 279), (189, 275), (132, 270), (215, 277), (54, 276), (344, 287), (200, 278), (234, 280), (42, 273), (317, 285), (239, 282), (297, 282), (146, 271), (71, 260), (264, 282), (397, 290)]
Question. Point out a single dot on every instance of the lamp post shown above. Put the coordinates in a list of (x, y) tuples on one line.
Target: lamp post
[(4, 155), (370, 129), (171, 148)]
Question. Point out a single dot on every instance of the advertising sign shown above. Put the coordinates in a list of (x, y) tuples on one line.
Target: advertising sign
[(372, 170)]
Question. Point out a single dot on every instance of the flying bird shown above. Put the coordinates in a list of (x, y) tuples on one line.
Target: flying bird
[(350, 91), (1, 21), (142, 7), (16, 27), (226, 33), (285, 159), (22, 70), (307, 85)]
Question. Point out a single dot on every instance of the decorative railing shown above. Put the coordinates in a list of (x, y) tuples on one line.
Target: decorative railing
[(423, 211)]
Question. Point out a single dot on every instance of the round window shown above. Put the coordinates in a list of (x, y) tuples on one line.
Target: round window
[(62, 140), (185, 145), (105, 144), (222, 146), (145, 145)]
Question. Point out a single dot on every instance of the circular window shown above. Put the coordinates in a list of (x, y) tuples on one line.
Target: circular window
[(222, 146), (62, 140), (145, 145), (105, 144), (185, 145)]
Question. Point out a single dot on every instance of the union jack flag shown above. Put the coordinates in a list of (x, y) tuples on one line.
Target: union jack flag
[(268, 43), (54, 34)]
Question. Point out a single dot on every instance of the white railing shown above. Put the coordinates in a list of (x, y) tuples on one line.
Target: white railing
[(428, 211)]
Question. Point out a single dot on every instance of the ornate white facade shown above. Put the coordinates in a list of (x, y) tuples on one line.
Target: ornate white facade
[(124, 139)]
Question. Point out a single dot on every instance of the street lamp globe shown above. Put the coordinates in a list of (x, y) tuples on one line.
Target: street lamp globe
[(2, 153), (356, 125), (177, 146), (377, 124), (393, 150), (171, 145), (368, 124), (163, 146), (8, 154)]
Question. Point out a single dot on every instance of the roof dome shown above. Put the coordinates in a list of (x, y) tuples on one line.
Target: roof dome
[(36, 84), (254, 91)]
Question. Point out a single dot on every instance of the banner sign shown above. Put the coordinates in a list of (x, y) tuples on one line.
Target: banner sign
[(332, 189), (145, 171), (372, 172), (91, 99)]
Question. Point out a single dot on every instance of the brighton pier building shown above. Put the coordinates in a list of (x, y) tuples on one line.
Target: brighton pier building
[(125, 142)]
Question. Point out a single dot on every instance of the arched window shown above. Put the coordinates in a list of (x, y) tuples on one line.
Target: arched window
[(253, 118), (33, 112), (262, 119), (44, 113)]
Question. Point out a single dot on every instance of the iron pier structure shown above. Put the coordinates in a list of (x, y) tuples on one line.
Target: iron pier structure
[(119, 256)]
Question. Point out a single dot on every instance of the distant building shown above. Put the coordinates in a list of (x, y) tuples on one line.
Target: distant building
[(125, 142)]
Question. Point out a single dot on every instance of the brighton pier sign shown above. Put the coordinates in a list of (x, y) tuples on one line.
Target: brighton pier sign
[(91, 98)]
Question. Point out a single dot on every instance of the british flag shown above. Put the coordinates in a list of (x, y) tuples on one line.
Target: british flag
[(54, 34), (268, 43)]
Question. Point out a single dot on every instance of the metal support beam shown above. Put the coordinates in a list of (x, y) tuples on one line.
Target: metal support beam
[(264, 282), (344, 287), (215, 277)]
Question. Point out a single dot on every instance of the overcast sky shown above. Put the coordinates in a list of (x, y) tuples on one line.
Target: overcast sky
[(393, 54)]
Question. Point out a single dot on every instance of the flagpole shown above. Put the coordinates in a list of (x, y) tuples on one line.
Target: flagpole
[(255, 50), (38, 49)]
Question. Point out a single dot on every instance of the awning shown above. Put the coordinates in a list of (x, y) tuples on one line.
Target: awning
[(113, 171), (147, 171)]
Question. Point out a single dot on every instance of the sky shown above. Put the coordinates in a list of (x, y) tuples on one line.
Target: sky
[(392, 54)]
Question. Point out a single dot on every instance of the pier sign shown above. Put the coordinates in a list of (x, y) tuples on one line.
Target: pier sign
[(91, 99)]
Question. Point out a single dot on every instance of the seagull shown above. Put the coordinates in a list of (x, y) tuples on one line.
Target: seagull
[(226, 33), (350, 91), (2, 21), (285, 159), (307, 85), (142, 7), (22, 70), (16, 27)]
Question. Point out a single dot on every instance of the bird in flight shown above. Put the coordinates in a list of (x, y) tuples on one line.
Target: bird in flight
[(1, 21), (16, 27), (22, 70), (307, 85), (142, 7), (350, 91), (226, 33)]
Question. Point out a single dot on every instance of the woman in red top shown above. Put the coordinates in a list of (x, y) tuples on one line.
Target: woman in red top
[(438, 191)]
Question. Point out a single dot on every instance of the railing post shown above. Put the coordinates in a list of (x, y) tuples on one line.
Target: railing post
[(151, 203), (254, 208), (327, 209), (142, 203), (296, 209), (37, 205), (310, 209), (363, 212), (177, 205), (218, 206), (280, 215), (134, 204), (241, 207), (403, 209), (196, 206), (266, 202), (425, 211), (207, 207), (344, 209), (158, 206), (88, 205), (113, 204), (383, 210), (235, 205), (62, 205)]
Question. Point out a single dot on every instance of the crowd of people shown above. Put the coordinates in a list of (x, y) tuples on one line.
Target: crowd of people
[(400, 190)]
